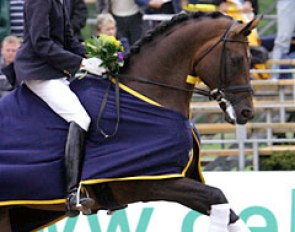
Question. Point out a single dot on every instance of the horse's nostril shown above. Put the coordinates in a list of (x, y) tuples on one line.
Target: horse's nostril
[(247, 113)]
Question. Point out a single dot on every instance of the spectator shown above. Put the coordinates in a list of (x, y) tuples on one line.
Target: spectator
[(151, 7), (161, 6), (16, 17), (78, 17), (255, 6), (244, 5), (11, 18), (9, 47), (128, 16), (286, 27), (10, 44), (106, 24)]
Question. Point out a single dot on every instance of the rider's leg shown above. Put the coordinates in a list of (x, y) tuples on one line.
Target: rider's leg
[(59, 97), (74, 156)]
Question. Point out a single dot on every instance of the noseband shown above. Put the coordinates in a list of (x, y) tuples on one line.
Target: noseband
[(222, 67), (219, 94), (213, 94)]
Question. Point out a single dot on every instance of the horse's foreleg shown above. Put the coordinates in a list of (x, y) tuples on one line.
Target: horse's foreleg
[(205, 199), (185, 191), (4, 220)]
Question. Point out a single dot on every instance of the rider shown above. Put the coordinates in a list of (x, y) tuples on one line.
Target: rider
[(48, 56)]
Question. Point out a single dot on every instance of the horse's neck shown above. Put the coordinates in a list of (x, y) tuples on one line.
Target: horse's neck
[(167, 97), (165, 64)]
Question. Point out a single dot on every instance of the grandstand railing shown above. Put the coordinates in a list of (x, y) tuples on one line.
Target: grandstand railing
[(246, 141)]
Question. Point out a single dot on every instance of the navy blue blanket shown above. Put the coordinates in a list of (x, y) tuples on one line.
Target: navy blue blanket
[(152, 142)]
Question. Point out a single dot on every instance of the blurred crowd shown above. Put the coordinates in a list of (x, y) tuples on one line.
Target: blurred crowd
[(124, 20)]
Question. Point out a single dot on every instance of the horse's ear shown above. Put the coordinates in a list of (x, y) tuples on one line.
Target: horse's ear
[(247, 28)]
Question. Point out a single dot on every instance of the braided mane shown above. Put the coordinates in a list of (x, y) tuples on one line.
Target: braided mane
[(161, 28)]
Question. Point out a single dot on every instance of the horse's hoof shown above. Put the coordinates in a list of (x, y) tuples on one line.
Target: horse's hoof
[(72, 213)]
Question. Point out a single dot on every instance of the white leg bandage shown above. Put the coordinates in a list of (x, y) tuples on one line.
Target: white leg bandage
[(238, 226), (219, 218), (61, 99)]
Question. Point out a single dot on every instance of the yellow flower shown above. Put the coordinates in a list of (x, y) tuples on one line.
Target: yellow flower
[(117, 43), (108, 49)]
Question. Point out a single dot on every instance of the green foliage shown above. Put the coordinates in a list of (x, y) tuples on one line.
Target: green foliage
[(278, 161), (267, 7), (108, 49)]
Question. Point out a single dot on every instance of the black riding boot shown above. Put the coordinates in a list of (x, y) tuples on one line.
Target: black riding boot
[(74, 155)]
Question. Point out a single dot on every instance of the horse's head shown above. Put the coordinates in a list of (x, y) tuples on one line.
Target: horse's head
[(211, 46), (223, 65)]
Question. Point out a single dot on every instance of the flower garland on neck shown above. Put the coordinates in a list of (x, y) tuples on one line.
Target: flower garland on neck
[(108, 49)]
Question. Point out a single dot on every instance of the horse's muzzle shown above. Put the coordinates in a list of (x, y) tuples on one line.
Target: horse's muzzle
[(245, 115)]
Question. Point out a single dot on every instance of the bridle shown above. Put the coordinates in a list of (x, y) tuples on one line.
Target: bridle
[(211, 94), (219, 94), (222, 67)]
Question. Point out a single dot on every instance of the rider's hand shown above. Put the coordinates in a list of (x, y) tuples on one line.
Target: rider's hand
[(92, 65)]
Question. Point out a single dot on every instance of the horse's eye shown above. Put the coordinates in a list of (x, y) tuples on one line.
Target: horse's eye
[(237, 60)]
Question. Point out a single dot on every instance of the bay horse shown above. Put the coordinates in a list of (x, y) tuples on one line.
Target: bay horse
[(212, 46)]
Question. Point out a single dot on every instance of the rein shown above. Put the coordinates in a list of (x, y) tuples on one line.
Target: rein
[(207, 93), (224, 39), (218, 94), (144, 81)]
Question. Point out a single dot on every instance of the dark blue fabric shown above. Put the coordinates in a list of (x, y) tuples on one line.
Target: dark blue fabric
[(151, 141), (31, 149)]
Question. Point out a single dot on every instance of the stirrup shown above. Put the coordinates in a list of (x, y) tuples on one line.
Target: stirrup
[(84, 204), (77, 204)]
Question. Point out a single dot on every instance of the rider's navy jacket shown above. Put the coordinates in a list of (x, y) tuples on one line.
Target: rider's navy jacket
[(49, 50)]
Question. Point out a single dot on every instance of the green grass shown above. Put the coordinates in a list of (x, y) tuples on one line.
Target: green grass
[(264, 8)]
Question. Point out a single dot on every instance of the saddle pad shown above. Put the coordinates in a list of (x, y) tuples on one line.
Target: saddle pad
[(151, 142)]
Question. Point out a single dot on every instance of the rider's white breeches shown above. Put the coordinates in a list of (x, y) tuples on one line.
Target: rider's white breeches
[(61, 99)]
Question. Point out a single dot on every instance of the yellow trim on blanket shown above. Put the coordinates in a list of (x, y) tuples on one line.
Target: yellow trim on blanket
[(102, 180), (159, 177), (188, 164), (33, 202), (137, 94), (199, 162)]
